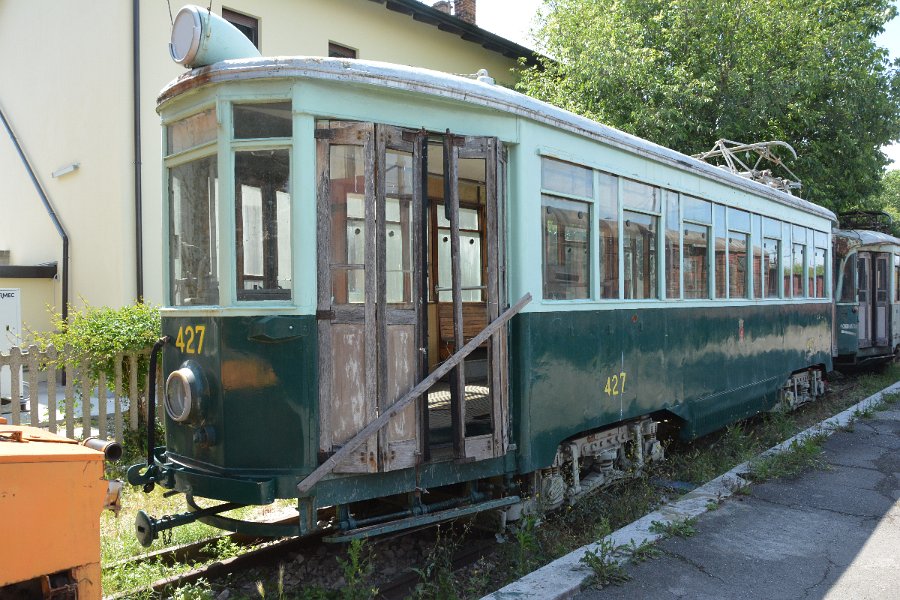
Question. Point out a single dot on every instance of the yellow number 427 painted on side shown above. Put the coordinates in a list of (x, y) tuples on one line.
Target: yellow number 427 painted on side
[(615, 384), (187, 336)]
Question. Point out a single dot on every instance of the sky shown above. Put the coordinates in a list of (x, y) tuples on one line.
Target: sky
[(514, 19)]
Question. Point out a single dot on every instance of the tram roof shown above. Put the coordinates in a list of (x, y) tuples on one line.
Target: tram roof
[(455, 87), (868, 238)]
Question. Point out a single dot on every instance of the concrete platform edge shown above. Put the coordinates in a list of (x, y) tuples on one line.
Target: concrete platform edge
[(565, 576)]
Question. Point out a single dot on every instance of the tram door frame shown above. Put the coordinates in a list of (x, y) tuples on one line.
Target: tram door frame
[(371, 352), (873, 272)]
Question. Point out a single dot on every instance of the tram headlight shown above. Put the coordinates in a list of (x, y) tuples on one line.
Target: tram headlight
[(201, 37), (183, 395)]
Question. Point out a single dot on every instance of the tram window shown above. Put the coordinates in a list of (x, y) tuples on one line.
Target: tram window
[(848, 280), (738, 220), (348, 234), (640, 196), (696, 260), (193, 234), (771, 252), (787, 260), (608, 208), (799, 262), (469, 255), (721, 252), (398, 226), (566, 178), (696, 210), (673, 247), (262, 204), (191, 132), (738, 243), (757, 270), (818, 290), (566, 243), (896, 278), (862, 285), (771, 228), (882, 290), (472, 190), (821, 242), (639, 243), (262, 120)]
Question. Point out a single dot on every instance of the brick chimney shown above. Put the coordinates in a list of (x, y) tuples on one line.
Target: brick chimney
[(443, 6), (464, 10)]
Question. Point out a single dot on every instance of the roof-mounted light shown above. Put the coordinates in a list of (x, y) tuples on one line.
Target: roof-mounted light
[(200, 38)]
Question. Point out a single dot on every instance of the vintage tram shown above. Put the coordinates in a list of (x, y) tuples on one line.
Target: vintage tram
[(867, 291), (385, 282)]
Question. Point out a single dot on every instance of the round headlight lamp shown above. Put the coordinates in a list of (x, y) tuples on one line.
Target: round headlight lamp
[(182, 395)]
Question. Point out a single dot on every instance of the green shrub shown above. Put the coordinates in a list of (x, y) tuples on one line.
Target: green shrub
[(96, 335)]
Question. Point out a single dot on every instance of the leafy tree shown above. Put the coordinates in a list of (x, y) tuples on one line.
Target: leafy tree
[(684, 73), (888, 199)]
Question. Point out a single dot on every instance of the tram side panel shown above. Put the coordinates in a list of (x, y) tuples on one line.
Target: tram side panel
[(708, 366)]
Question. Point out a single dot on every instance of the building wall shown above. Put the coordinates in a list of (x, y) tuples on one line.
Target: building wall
[(65, 93), (68, 95)]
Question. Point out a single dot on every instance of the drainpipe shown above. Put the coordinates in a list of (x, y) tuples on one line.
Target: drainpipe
[(138, 199), (56, 223)]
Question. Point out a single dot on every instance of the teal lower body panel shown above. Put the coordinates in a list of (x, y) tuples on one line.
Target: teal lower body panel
[(578, 371)]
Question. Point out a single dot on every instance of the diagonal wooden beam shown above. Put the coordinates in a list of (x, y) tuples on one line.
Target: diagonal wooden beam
[(366, 432)]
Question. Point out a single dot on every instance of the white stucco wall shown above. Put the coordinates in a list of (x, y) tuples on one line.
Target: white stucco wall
[(66, 76)]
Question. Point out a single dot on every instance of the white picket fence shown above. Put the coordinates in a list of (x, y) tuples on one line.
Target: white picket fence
[(85, 405)]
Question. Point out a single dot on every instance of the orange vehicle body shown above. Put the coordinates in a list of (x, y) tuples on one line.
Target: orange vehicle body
[(51, 495)]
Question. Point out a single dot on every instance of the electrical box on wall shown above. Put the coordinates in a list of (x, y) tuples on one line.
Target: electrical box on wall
[(10, 332)]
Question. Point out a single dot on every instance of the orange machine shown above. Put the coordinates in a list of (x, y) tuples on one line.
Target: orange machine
[(52, 492)]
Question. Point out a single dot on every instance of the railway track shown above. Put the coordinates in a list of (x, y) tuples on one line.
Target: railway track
[(263, 554)]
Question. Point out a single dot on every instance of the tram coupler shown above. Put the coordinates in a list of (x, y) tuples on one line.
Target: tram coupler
[(147, 528)]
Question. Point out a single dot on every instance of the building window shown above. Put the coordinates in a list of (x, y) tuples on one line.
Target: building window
[(340, 51), (246, 24)]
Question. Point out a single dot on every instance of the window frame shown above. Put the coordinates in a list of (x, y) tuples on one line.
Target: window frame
[(243, 21), (339, 50), (590, 203), (728, 216)]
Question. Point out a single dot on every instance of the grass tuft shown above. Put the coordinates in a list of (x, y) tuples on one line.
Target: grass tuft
[(801, 457), (683, 529)]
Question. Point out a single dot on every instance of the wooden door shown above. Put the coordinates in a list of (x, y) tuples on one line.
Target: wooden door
[(399, 288), (864, 295), (369, 293), (480, 437), (881, 297), (346, 272)]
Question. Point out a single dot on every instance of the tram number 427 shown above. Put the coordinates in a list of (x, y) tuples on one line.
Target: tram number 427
[(190, 339), (615, 384)]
